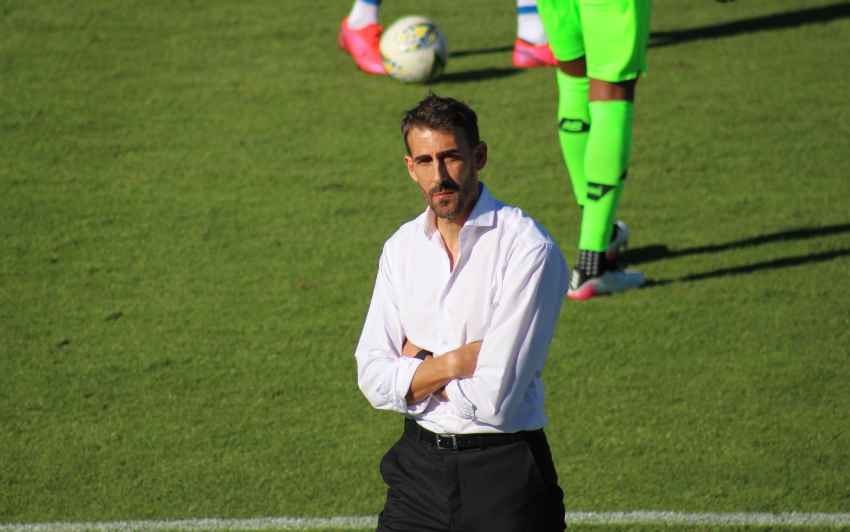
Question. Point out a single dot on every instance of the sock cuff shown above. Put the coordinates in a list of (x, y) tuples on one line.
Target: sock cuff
[(572, 83), (572, 97), (526, 10), (611, 106), (371, 2), (616, 114)]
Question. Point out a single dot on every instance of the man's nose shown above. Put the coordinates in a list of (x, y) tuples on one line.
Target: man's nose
[(441, 170)]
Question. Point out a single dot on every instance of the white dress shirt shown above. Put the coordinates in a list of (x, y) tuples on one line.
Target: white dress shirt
[(506, 290)]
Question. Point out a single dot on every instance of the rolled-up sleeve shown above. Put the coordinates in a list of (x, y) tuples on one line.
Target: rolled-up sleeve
[(516, 344), (383, 373)]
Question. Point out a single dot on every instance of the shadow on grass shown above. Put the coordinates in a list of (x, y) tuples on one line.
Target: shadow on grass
[(791, 19), (784, 262), (660, 252), (482, 51), (476, 75), (656, 252)]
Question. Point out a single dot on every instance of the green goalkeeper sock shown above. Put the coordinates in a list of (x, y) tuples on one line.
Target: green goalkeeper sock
[(573, 127), (606, 164)]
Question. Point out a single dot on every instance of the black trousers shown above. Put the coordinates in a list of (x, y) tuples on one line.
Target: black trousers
[(510, 487)]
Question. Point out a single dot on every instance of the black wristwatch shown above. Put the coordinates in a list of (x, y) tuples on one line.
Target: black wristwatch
[(423, 354)]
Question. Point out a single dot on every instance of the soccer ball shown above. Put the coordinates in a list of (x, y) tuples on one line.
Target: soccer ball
[(414, 50)]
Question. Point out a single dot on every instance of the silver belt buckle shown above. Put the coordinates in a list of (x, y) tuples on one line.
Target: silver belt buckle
[(446, 442)]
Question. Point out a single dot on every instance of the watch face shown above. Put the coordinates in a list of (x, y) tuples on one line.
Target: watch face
[(422, 354)]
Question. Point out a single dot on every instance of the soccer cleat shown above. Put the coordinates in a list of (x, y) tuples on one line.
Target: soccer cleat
[(619, 241), (583, 287), (527, 55), (363, 46)]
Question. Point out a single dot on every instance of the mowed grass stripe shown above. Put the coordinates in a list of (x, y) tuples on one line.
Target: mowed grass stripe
[(640, 517)]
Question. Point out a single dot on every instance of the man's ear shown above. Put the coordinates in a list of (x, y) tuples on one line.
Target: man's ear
[(480, 155), (408, 161)]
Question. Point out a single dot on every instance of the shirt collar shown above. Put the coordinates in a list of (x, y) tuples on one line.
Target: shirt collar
[(483, 213)]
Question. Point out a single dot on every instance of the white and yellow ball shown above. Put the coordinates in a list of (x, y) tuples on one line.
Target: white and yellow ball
[(414, 50)]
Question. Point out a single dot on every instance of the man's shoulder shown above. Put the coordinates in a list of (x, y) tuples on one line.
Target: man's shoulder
[(402, 237), (515, 223)]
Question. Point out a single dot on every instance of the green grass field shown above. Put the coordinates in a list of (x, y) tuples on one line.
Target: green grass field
[(193, 196)]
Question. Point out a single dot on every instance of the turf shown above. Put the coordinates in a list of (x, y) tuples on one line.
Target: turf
[(194, 196)]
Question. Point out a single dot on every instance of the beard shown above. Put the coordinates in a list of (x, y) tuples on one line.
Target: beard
[(453, 204)]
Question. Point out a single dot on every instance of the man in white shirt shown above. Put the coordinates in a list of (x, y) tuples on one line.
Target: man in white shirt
[(458, 330)]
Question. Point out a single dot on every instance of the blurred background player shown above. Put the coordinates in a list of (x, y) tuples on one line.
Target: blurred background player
[(600, 46), (360, 33)]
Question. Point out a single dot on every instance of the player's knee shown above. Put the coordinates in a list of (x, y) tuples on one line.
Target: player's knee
[(576, 68), (606, 90)]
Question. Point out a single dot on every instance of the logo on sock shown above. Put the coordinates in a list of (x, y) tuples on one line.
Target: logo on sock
[(573, 125), (603, 189)]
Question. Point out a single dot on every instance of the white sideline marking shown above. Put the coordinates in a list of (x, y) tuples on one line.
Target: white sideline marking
[(262, 523), (830, 520), (641, 517)]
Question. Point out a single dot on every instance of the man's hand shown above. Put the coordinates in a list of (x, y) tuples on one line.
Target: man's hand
[(461, 362), (434, 373), (464, 360)]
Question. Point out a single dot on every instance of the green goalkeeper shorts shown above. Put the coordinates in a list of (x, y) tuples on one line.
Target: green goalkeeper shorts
[(611, 34)]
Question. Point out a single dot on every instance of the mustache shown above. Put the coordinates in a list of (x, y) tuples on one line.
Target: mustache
[(446, 185)]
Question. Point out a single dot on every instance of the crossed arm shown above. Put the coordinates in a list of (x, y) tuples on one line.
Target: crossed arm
[(484, 387), (434, 373)]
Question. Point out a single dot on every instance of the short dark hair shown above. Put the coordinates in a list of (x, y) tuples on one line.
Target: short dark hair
[(442, 114)]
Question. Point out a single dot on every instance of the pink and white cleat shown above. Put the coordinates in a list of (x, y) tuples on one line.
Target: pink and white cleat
[(363, 45), (583, 287), (527, 55)]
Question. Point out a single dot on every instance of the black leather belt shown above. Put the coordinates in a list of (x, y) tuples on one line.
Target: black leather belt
[(460, 442)]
